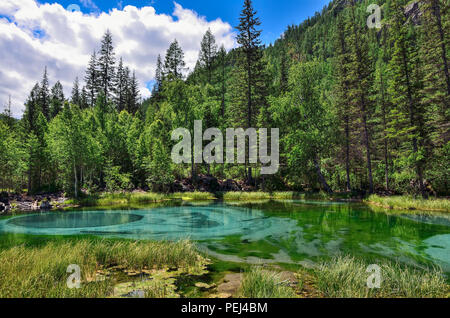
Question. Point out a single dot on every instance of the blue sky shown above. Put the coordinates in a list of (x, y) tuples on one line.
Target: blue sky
[(51, 36), (275, 15)]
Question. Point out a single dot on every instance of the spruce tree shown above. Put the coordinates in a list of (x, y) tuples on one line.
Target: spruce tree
[(92, 80), (360, 73), (120, 84), (208, 52), (249, 87), (434, 51), (57, 99), (407, 115), (106, 65), (174, 63), (133, 94), (84, 98), (342, 91), (76, 96), (45, 95), (222, 65)]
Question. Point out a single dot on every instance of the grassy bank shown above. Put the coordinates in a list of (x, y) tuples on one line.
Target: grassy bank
[(36, 272), (409, 203), (132, 198), (346, 277), (263, 283)]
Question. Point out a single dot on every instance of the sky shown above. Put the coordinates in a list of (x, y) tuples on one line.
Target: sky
[(39, 33)]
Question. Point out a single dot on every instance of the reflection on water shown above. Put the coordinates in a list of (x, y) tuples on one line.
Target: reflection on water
[(288, 231)]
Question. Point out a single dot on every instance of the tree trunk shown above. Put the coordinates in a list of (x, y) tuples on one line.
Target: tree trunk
[(347, 152), (386, 150), (412, 122), (322, 180), (75, 181)]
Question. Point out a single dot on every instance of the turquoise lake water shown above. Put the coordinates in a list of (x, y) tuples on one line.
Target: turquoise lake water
[(284, 232)]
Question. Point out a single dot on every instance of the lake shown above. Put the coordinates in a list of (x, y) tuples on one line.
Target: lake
[(289, 232)]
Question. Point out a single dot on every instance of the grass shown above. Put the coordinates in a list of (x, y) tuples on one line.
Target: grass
[(409, 203), (262, 283), (38, 272), (129, 198), (193, 196), (346, 277), (246, 196)]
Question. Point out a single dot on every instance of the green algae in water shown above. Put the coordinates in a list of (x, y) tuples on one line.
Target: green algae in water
[(290, 232)]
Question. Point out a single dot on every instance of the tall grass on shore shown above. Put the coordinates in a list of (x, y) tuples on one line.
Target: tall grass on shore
[(194, 196), (262, 283), (346, 277), (410, 203), (37, 272), (246, 196)]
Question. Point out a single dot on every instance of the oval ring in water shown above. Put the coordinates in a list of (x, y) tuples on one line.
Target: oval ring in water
[(74, 220)]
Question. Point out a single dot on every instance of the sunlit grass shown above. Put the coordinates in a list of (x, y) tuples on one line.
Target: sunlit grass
[(194, 196), (37, 272), (410, 203), (246, 196), (346, 277), (262, 283)]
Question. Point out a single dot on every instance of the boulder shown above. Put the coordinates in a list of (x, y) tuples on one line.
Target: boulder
[(45, 205)]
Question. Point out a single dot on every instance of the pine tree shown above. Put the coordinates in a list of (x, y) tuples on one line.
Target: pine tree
[(434, 51), (360, 74), (407, 116), (222, 61), (57, 99), (284, 71), (45, 95), (7, 113), (92, 80), (249, 87), (343, 86), (32, 108), (76, 97), (84, 98), (159, 73), (133, 94), (106, 65), (120, 84), (208, 53), (174, 63)]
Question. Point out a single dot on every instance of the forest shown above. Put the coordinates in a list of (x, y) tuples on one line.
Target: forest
[(359, 109)]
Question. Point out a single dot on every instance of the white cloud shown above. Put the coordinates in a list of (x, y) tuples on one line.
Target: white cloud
[(34, 35)]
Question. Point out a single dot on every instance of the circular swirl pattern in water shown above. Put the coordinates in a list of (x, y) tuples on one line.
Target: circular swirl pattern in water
[(197, 223), (74, 220)]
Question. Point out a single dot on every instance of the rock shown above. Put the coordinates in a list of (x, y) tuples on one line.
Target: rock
[(413, 12), (231, 284), (204, 286), (221, 295), (289, 278), (45, 205)]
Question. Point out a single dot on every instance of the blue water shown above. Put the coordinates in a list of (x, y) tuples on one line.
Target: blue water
[(288, 232)]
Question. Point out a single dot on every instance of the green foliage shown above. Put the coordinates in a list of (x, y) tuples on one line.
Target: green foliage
[(346, 277), (358, 110)]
